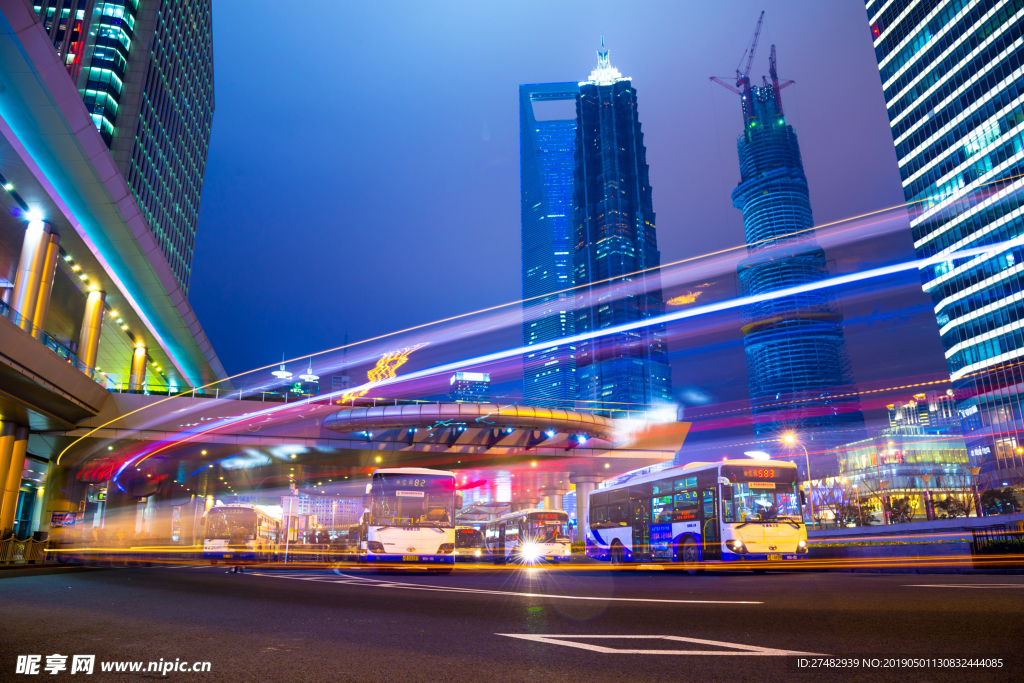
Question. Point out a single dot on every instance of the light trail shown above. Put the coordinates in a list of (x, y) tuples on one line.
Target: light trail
[(739, 302)]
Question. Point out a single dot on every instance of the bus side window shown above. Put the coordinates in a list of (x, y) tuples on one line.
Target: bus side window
[(599, 515), (619, 514)]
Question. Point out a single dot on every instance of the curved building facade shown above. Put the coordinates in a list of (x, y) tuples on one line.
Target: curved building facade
[(797, 368)]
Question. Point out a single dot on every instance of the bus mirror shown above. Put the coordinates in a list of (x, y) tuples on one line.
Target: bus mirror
[(803, 498)]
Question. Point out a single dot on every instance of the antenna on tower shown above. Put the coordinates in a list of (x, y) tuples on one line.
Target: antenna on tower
[(776, 86)]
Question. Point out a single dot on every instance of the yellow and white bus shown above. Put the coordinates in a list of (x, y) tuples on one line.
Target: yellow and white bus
[(700, 514)]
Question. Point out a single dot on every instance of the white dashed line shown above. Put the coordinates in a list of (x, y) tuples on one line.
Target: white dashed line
[(963, 585), (378, 583), (738, 650)]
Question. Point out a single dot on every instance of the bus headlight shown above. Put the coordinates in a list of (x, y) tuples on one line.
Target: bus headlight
[(477, 553), (446, 548), (736, 545), (529, 552), (801, 546), (375, 546)]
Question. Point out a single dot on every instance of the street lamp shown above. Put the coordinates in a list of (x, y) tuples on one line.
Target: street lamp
[(789, 438)]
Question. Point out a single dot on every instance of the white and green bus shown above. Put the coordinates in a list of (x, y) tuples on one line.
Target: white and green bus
[(700, 514)]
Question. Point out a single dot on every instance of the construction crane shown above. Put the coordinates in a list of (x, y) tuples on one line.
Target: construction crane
[(776, 86), (742, 86), (743, 77)]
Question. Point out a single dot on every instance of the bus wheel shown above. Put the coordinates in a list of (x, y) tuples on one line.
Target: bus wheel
[(616, 555), (689, 555)]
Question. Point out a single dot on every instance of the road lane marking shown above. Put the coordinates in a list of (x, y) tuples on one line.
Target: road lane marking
[(963, 585), (379, 583), (738, 649)]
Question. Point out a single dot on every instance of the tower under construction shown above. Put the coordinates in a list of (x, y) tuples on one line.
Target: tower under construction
[(797, 369)]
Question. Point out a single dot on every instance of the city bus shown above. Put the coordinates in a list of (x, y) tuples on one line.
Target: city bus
[(240, 532), (699, 514), (410, 517), (469, 544), (529, 536)]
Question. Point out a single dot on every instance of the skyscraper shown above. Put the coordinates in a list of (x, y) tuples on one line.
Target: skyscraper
[(615, 238), (797, 368), (547, 133), (145, 72), (954, 89)]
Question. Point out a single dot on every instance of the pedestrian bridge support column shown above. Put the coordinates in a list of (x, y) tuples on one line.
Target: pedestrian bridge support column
[(92, 325), (46, 286), (585, 483), (138, 373), (12, 481), (31, 266)]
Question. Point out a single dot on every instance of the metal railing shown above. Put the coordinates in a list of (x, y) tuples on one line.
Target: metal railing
[(29, 551), (47, 340)]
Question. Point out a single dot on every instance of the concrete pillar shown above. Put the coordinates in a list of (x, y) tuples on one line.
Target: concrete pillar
[(7, 436), (46, 286), (37, 510), (525, 503), (31, 265), (56, 499), (92, 325), (12, 480), (584, 485), (552, 498), (138, 374)]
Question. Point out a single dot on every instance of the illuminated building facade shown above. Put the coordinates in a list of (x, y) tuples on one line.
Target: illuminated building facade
[(547, 134), (930, 411), (953, 82), (797, 368), (473, 387), (615, 238), (145, 72)]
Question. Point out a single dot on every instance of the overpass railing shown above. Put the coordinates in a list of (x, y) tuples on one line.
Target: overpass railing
[(47, 340)]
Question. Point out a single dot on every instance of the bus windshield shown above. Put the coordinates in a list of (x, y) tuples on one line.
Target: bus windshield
[(548, 527), (468, 538), (233, 524), (398, 499), (760, 492), (752, 502)]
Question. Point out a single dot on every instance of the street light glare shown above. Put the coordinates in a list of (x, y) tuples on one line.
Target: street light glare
[(789, 438)]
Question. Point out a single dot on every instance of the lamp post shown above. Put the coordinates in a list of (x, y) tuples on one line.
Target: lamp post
[(790, 439)]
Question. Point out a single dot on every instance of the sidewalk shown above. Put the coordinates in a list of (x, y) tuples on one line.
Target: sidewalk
[(12, 571)]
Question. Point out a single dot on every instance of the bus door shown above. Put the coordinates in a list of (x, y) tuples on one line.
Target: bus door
[(640, 520), (501, 541), (710, 524)]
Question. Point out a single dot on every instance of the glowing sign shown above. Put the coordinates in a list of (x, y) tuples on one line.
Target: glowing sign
[(386, 368), (687, 298), (759, 473)]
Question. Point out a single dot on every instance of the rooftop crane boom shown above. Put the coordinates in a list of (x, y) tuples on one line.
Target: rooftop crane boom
[(753, 49)]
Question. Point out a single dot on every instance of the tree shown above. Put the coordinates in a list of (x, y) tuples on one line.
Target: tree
[(954, 506), (901, 510), (999, 502), (839, 498)]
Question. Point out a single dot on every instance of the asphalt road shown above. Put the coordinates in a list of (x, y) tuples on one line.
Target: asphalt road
[(512, 625)]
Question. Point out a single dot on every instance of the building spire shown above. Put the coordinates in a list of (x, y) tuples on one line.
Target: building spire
[(602, 56), (605, 73)]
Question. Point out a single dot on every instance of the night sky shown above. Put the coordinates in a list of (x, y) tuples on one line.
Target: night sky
[(363, 173)]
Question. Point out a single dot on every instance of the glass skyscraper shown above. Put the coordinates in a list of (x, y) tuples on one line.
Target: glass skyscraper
[(145, 71), (797, 368), (547, 145), (952, 73), (615, 238)]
